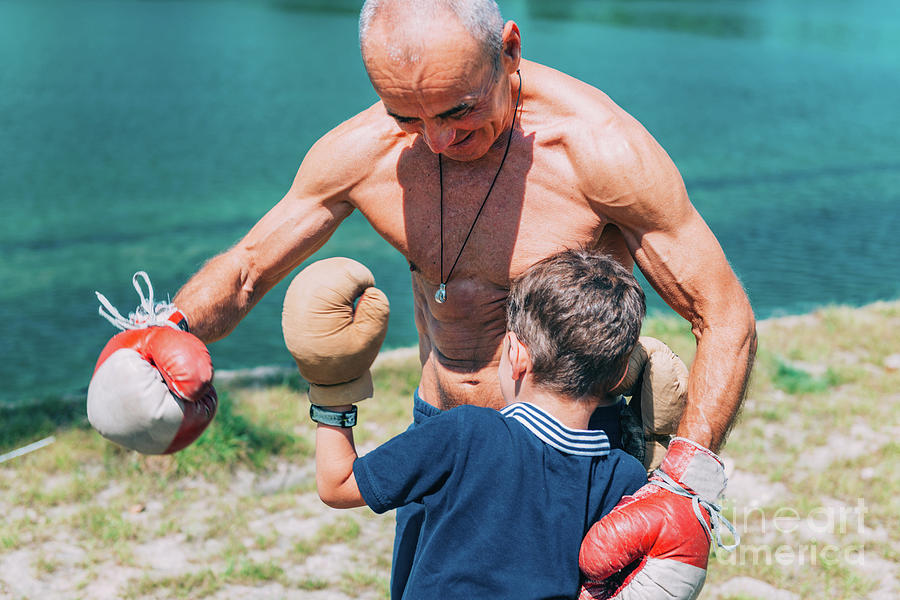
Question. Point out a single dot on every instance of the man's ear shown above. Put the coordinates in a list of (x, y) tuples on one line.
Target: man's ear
[(519, 358), (512, 47)]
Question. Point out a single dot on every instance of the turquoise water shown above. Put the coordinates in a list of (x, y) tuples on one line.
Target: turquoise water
[(152, 134)]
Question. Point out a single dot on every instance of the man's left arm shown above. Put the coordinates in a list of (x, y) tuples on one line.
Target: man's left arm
[(683, 261), (681, 258), (659, 528)]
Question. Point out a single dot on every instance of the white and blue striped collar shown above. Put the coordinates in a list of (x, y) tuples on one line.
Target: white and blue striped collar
[(549, 430)]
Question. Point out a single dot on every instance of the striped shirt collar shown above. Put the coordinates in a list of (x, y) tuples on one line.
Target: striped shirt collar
[(548, 429)]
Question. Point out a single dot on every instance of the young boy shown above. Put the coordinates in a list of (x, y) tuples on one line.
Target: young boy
[(509, 495)]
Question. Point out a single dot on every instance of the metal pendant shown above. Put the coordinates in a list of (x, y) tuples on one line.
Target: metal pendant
[(441, 294)]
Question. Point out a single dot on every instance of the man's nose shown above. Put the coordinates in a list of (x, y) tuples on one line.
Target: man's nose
[(438, 136)]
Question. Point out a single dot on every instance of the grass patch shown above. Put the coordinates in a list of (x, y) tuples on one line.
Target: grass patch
[(250, 572), (878, 490), (190, 585), (9, 540), (103, 527), (341, 530), (311, 584), (344, 529), (78, 488), (232, 439), (794, 380), (46, 566), (675, 332), (353, 581), (23, 424)]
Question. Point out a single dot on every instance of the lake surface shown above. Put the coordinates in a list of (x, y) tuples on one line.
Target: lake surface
[(153, 134)]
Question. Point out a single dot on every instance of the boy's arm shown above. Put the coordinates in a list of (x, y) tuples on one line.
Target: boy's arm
[(335, 453)]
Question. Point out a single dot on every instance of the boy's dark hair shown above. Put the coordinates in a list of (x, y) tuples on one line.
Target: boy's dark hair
[(579, 314)]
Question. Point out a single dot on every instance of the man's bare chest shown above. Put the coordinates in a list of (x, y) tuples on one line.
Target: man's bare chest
[(462, 223)]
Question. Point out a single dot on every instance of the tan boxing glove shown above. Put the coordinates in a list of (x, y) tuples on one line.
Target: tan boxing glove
[(656, 380), (333, 342)]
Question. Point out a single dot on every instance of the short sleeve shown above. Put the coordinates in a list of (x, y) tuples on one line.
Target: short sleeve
[(626, 476), (412, 465)]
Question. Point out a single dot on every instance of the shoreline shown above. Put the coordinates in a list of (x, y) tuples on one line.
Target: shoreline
[(265, 374)]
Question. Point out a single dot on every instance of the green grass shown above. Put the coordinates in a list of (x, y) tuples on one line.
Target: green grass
[(29, 423), (797, 381), (311, 584), (342, 530), (352, 582), (234, 439), (250, 572), (190, 585)]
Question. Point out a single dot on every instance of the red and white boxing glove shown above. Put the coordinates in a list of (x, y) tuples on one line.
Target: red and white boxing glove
[(655, 544), (151, 390)]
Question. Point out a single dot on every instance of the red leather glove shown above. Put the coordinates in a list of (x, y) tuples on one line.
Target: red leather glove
[(655, 543), (151, 390)]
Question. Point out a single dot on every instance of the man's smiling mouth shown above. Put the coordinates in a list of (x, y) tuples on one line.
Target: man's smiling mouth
[(463, 140)]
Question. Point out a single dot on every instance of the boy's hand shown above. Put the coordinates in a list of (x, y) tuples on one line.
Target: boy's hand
[(334, 322), (333, 341), (655, 544)]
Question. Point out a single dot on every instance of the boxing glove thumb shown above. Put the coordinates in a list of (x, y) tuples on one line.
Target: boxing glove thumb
[(334, 322)]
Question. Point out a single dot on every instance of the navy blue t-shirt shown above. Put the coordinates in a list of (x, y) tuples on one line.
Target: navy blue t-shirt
[(508, 498)]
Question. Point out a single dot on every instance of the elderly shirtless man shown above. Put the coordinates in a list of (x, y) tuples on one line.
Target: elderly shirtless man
[(475, 164)]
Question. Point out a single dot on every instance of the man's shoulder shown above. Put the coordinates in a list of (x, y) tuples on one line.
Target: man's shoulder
[(366, 135), (352, 153), (584, 122), (612, 155), (572, 105)]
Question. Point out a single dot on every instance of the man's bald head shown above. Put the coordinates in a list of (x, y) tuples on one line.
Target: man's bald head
[(410, 19)]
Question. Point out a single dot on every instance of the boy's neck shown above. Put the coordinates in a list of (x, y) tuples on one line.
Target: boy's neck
[(571, 412)]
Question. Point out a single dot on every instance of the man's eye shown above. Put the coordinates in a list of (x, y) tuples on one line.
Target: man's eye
[(404, 120)]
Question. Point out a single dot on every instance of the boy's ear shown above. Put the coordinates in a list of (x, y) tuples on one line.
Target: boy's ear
[(519, 358)]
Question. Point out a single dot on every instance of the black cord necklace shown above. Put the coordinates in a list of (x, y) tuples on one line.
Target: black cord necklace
[(440, 296)]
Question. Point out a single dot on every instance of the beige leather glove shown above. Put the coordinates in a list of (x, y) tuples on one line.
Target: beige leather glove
[(333, 342), (656, 380)]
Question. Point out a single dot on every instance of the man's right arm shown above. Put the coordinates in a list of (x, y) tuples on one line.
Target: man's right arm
[(218, 296)]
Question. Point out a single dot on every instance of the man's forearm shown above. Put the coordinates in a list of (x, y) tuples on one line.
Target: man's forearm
[(718, 381), (219, 295)]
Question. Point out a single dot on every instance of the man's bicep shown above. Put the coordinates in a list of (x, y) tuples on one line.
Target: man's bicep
[(683, 261), (646, 199), (634, 185), (289, 233), (292, 230)]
